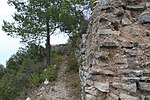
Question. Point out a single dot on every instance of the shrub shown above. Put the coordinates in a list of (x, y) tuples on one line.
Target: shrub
[(50, 73), (72, 65), (34, 79), (56, 59)]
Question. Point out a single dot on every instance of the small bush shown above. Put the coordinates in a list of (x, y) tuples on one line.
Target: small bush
[(50, 73), (34, 79), (55, 58), (72, 65)]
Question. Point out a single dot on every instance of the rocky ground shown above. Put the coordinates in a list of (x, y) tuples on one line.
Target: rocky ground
[(56, 90)]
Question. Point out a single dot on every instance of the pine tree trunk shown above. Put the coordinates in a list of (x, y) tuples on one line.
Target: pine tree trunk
[(48, 46)]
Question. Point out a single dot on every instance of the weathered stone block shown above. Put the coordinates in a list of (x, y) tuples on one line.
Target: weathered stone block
[(108, 44), (103, 87), (137, 72), (102, 64), (119, 11), (121, 61), (104, 2), (107, 32), (91, 90), (134, 79), (127, 97), (90, 97), (87, 75), (132, 2), (128, 71), (101, 55), (130, 87), (109, 18), (129, 45), (113, 97), (135, 7), (148, 4), (131, 53), (146, 71), (144, 79), (96, 78), (89, 82), (144, 86), (106, 72), (99, 71), (143, 19), (125, 21)]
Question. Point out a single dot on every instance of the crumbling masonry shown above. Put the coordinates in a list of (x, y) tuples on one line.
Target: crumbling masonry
[(115, 51)]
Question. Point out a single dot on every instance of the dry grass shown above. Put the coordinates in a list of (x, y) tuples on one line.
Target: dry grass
[(73, 84)]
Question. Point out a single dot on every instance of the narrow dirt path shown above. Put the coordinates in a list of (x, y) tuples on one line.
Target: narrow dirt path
[(59, 90), (56, 90)]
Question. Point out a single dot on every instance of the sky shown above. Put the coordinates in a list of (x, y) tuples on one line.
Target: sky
[(9, 45)]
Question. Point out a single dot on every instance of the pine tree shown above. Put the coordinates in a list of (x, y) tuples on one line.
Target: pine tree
[(36, 20)]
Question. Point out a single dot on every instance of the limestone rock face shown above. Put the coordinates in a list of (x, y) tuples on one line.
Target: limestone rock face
[(115, 51)]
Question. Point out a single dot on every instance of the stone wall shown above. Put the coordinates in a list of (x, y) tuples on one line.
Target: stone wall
[(115, 52)]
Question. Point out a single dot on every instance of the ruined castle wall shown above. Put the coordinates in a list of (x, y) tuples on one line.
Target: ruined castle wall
[(115, 52)]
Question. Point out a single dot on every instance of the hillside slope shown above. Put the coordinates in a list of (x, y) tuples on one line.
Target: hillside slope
[(56, 90)]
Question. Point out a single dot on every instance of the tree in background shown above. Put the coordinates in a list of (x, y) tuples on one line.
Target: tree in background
[(2, 70), (36, 20)]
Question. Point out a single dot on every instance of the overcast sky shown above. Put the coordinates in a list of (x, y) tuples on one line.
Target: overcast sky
[(9, 45)]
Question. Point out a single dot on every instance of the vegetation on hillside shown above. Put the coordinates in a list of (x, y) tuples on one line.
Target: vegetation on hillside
[(34, 22), (26, 69)]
